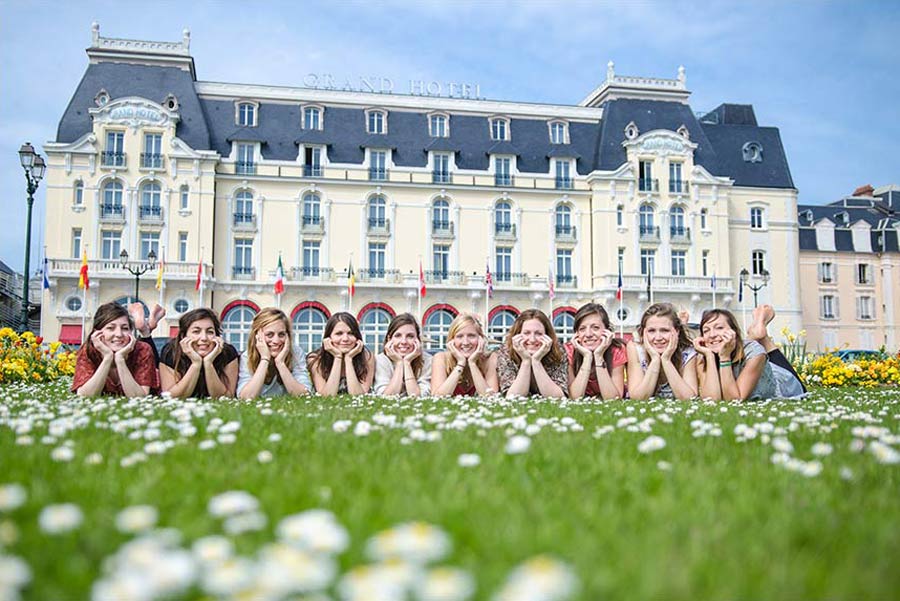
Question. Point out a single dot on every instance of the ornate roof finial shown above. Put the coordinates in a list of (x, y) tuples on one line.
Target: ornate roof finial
[(681, 76), (186, 38), (95, 33), (610, 71)]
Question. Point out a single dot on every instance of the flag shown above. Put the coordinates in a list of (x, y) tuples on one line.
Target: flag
[(551, 284), (421, 280), (649, 281), (83, 281), (159, 274), (199, 283), (619, 287), (489, 281), (351, 279), (45, 283), (279, 277), (740, 291), (713, 281)]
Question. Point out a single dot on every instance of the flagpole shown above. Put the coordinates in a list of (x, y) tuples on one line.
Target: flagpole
[(200, 289), (277, 276), (487, 296), (714, 283), (419, 290), (162, 268), (349, 292)]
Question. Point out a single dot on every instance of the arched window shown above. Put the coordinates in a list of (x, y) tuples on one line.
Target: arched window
[(440, 214), (309, 324), (377, 211), (563, 219), (753, 152), (646, 218), (243, 207), (112, 195), (150, 200), (436, 327), (236, 325), (676, 221), (374, 325), (311, 209), (564, 324), (500, 324), (704, 213), (502, 217)]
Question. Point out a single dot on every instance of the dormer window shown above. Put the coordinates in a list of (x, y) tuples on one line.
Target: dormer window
[(684, 132), (245, 114), (808, 215), (102, 98), (559, 132), (312, 117), (171, 102), (499, 129), (376, 122), (438, 126), (631, 131), (843, 218), (753, 152)]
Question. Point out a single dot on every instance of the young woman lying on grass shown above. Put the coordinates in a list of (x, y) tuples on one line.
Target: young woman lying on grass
[(532, 361), (198, 362), (663, 362), (402, 368), (342, 365), (113, 361), (272, 365), (596, 357), (464, 369)]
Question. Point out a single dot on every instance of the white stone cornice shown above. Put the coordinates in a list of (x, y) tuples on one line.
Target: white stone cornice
[(661, 142), (86, 144)]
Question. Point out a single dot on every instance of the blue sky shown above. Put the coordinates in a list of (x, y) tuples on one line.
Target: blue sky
[(825, 73)]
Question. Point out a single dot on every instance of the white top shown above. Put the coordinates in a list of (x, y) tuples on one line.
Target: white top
[(275, 387), (384, 370)]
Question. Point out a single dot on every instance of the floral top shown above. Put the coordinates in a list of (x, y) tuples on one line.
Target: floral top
[(507, 371), (141, 362)]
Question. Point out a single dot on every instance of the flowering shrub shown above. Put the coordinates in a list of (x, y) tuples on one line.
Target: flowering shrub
[(829, 370), (26, 358)]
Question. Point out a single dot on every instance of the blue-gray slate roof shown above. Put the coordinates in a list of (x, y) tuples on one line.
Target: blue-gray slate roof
[(873, 211)]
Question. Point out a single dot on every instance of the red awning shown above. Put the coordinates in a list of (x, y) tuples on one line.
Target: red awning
[(173, 331), (70, 334)]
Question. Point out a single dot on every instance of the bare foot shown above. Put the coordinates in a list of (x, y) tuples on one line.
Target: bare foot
[(156, 315), (762, 315), (137, 314)]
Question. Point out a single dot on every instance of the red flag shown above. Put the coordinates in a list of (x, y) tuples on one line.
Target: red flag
[(279, 278), (83, 281), (351, 279), (199, 275), (421, 280), (619, 289)]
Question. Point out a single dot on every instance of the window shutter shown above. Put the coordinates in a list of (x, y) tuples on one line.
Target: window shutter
[(835, 307)]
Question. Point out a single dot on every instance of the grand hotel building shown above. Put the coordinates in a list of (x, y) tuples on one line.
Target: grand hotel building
[(148, 157)]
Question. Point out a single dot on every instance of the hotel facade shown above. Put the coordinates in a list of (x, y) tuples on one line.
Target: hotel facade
[(630, 180)]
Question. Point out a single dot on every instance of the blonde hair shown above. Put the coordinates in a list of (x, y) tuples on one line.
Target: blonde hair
[(459, 322), (266, 317)]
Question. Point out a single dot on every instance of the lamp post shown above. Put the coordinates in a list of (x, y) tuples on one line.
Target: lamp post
[(137, 271), (34, 167), (745, 281)]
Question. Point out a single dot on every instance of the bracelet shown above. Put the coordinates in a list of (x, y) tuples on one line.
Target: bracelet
[(459, 369), (264, 359), (601, 363), (725, 364)]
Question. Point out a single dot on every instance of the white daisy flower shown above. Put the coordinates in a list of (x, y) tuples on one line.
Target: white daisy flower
[(517, 445), (651, 444), (137, 518), (445, 584), (413, 542), (57, 519), (468, 460), (231, 503), (315, 530), (12, 496), (541, 578)]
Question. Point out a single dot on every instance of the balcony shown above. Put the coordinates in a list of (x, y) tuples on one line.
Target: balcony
[(151, 161), (503, 179), (442, 229), (378, 274), (112, 213), (245, 168), (441, 177), (378, 175), (110, 158), (505, 231), (648, 233), (566, 281), (312, 224), (507, 278), (312, 171), (680, 235), (648, 185), (150, 214), (674, 283), (677, 186), (244, 221), (565, 233), (564, 183), (379, 226), (243, 273), (444, 277), (321, 274)]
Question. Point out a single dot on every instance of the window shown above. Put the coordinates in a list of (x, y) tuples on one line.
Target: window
[(114, 155), (78, 197), (243, 207), (377, 211), (648, 261), (827, 273), (377, 165), (243, 257), (182, 246), (564, 267), (563, 174), (758, 261), (499, 129), (376, 122), (676, 222), (436, 327), (440, 215), (437, 126), (679, 258), (376, 259), (828, 306), (558, 133), (150, 201), (756, 218), (753, 152), (863, 273), (185, 198), (645, 215), (149, 241), (620, 216), (312, 119), (622, 314), (236, 326), (500, 324), (620, 259), (441, 168), (829, 338), (152, 157), (76, 243), (110, 245), (73, 304), (865, 308), (564, 220), (502, 171), (646, 183), (374, 324), (181, 306), (246, 154), (564, 324), (112, 200), (311, 209), (676, 185), (312, 161), (308, 326), (502, 217), (246, 114), (704, 263), (503, 264), (310, 258), (703, 214), (441, 260)]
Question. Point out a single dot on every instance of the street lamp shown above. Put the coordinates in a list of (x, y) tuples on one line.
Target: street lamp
[(34, 167), (745, 279), (140, 269)]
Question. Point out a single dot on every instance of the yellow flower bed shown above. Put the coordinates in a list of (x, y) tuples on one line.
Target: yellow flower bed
[(829, 371), (25, 358)]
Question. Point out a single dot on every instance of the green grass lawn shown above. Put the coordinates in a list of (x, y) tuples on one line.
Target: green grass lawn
[(736, 505)]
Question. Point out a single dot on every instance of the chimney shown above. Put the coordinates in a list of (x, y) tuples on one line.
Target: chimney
[(866, 190)]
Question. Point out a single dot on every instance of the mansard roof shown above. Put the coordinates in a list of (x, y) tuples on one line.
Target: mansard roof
[(874, 211)]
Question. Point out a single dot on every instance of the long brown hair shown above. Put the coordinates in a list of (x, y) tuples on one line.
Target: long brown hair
[(323, 360), (553, 356), (268, 316), (738, 354), (406, 319), (668, 310), (583, 313), (104, 314), (459, 322), (182, 363)]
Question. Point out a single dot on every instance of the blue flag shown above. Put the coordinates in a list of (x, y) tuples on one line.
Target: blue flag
[(46, 277)]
